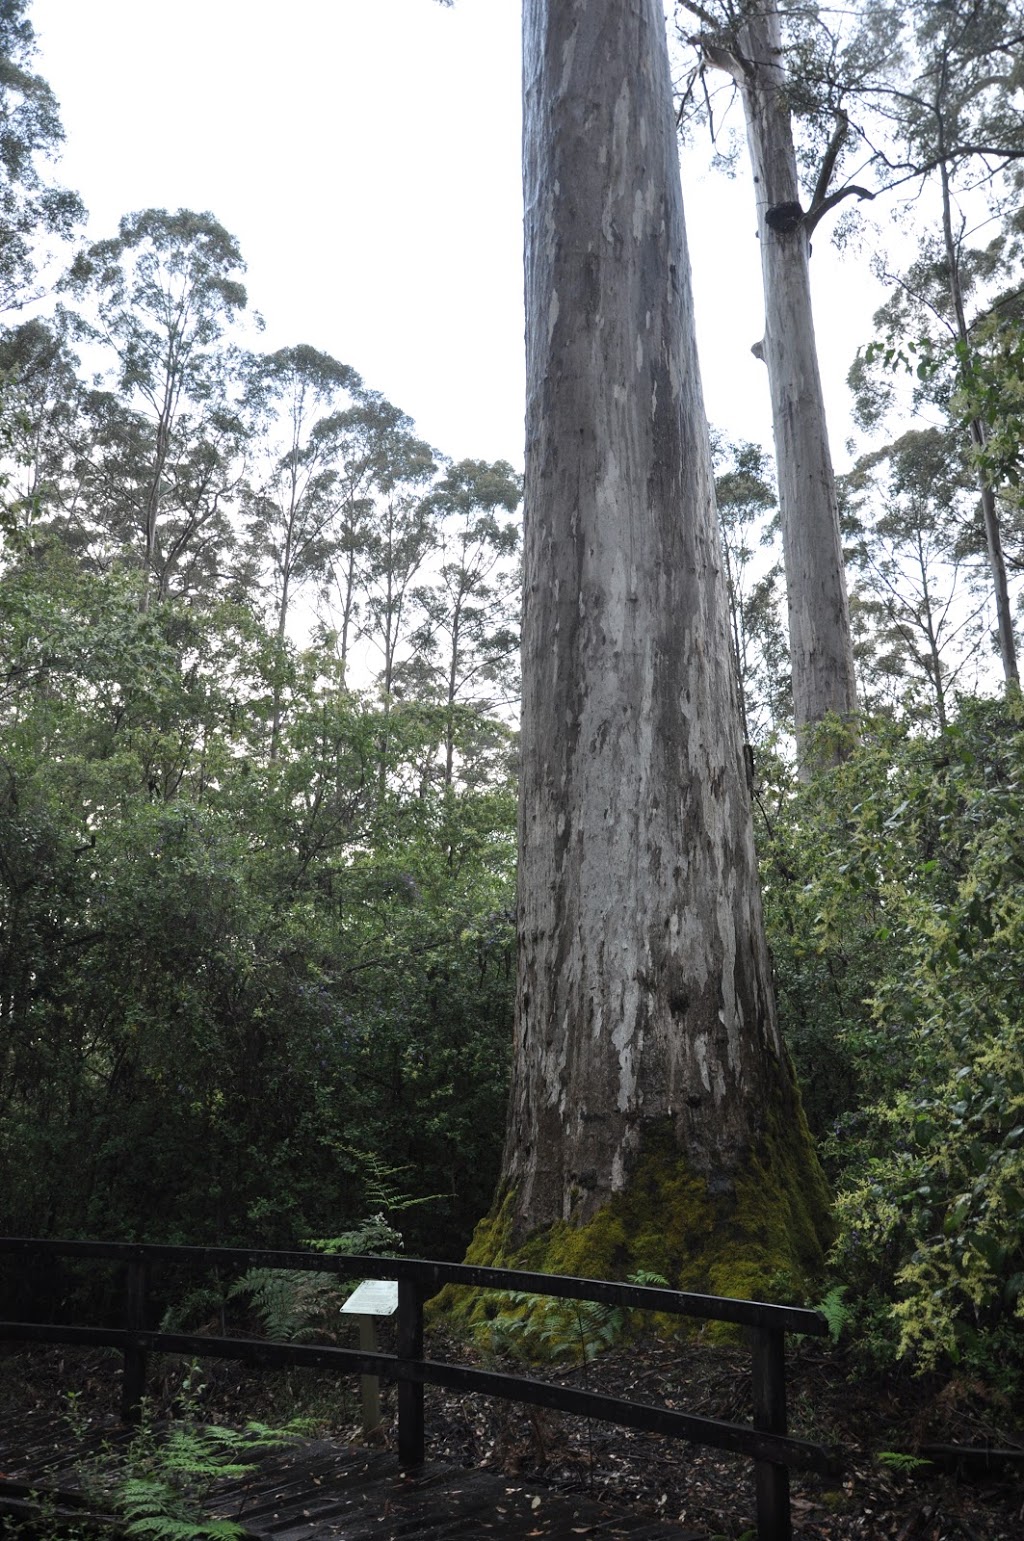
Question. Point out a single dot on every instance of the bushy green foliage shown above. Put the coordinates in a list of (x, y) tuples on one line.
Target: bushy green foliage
[(220, 974), (293, 1304), (895, 887)]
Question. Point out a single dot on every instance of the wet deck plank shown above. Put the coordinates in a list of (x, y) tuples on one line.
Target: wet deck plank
[(321, 1490)]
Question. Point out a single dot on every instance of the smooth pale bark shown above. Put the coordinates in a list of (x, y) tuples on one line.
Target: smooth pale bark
[(989, 512), (821, 649), (644, 994)]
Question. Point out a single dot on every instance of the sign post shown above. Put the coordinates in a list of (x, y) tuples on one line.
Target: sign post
[(372, 1298)]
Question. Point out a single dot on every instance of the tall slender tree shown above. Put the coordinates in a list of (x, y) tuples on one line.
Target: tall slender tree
[(747, 521), (164, 291), (744, 38), (956, 119), (32, 208), (371, 449), (293, 511), (465, 644), (653, 1113), (918, 580)]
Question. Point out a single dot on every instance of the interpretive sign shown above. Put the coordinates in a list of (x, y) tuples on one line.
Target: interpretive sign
[(374, 1297)]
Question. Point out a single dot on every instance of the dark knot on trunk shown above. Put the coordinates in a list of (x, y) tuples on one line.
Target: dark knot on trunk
[(783, 217)]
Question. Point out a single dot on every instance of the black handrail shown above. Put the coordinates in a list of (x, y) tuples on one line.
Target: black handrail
[(765, 1440)]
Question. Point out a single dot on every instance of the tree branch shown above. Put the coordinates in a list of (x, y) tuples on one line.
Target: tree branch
[(818, 211), (828, 160)]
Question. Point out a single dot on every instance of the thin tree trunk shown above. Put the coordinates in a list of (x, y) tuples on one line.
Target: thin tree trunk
[(287, 562), (282, 625), (989, 512), (735, 605), (347, 610), (644, 996), (821, 647), (153, 510)]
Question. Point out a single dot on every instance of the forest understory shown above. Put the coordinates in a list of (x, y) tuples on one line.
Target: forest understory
[(880, 1427)]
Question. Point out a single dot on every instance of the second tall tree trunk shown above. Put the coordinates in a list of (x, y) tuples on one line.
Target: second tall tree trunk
[(821, 650)]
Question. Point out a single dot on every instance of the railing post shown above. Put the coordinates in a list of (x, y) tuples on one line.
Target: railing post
[(133, 1384), (774, 1522), (409, 1345)]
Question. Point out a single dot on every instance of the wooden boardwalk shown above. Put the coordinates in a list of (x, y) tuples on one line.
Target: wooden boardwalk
[(320, 1490)]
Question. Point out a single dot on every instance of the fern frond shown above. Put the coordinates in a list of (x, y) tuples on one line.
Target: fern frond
[(836, 1313)]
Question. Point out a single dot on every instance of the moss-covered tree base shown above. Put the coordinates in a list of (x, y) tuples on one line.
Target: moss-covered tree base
[(764, 1239)]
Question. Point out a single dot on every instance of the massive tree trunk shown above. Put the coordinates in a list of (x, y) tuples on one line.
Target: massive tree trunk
[(648, 1067), (821, 650)]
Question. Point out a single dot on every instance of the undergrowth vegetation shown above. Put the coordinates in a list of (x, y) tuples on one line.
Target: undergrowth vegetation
[(895, 894), (298, 1026), (161, 1483)]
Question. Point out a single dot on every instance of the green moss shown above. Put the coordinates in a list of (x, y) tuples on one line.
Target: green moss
[(762, 1239)]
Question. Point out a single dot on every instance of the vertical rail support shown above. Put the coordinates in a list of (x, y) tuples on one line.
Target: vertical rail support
[(133, 1384), (774, 1521), (369, 1385), (409, 1345)]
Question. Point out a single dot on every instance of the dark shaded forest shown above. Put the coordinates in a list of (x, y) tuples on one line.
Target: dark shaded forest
[(258, 684)]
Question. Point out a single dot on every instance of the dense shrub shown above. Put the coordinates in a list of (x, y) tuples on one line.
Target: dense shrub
[(895, 892)]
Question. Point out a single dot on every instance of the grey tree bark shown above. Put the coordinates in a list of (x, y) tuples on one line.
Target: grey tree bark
[(821, 649), (644, 994), (989, 512)]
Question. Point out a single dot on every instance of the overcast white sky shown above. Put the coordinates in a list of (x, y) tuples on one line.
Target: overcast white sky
[(366, 155)]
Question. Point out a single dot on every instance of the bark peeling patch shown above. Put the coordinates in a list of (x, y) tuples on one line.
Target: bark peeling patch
[(553, 309)]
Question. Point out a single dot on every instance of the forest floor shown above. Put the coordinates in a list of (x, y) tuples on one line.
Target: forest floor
[(875, 1425)]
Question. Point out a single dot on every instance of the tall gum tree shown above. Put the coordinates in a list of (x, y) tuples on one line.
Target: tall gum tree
[(745, 40), (164, 294), (654, 1119), (957, 116)]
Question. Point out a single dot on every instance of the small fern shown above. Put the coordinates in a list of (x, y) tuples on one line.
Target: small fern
[(292, 1305), (547, 1327), (375, 1234), (161, 1493), (381, 1191), (154, 1507), (836, 1312), (649, 1279), (899, 1460)]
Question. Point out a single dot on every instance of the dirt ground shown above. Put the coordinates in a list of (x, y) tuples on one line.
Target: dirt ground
[(891, 1484)]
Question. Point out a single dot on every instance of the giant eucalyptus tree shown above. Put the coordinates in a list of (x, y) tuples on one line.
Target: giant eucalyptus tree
[(900, 95), (653, 1114)]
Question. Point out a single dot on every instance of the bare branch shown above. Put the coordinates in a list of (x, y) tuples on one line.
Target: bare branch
[(818, 211), (828, 161)]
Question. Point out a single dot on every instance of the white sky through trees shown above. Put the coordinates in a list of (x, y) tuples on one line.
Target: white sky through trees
[(366, 155)]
